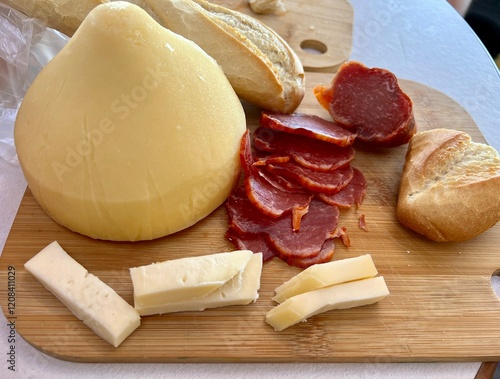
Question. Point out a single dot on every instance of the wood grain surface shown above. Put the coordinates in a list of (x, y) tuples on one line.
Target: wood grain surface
[(441, 307), (319, 31)]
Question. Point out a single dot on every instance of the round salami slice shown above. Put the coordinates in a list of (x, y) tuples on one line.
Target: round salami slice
[(308, 126), (309, 152), (352, 194), (266, 197), (285, 184), (329, 182), (253, 242), (325, 255), (272, 201), (369, 102), (318, 225)]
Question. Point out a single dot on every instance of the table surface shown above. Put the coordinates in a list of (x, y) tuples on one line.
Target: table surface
[(424, 41)]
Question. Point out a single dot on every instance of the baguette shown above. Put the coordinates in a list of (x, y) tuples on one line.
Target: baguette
[(450, 186), (62, 15), (259, 64)]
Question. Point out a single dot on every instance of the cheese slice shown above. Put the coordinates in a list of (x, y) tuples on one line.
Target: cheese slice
[(340, 296), (327, 274), (185, 278), (240, 290), (86, 296)]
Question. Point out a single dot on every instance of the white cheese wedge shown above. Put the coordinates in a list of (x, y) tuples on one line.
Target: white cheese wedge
[(86, 296), (327, 274), (341, 296), (185, 278), (240, 290)]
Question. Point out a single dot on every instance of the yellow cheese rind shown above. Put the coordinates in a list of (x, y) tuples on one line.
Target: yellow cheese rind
[(327, 274), (341, 296), (185, 278), (86, 296), (131, 132), (242, 289)]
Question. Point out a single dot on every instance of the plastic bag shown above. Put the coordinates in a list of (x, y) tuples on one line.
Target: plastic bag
[(26, 45)]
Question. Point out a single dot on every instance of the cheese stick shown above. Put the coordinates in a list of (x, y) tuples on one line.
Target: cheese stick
[(86, 296), (342, 296), (327, 274)]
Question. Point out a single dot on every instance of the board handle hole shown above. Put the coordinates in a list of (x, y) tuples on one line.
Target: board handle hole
[(495, 282), (314, 47)]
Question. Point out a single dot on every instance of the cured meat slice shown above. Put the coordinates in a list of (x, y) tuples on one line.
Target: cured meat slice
[(243, 217), (253, 242), (269, 199), (262, 161), (308, 126), (352, 194), (318, 225), (274, 202), (246, 155), (309, 152), (281, 182), (258, 243), (329, 182), (325, 255), (369, 102)]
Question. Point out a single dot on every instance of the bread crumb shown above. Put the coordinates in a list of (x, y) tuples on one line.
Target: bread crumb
[(267, 6)]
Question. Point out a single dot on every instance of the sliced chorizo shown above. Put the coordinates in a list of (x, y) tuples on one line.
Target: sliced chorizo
[(308, 126), (309, 152), (370, 103)]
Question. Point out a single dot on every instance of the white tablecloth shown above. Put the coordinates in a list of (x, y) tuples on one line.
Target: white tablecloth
[(425, 41)]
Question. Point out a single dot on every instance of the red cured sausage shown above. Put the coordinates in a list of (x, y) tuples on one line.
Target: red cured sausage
[(281, 182), (325, 255), (309, 152), (274, 202), (268, 198), (253, 242), (328, 182), (308, 126), (258, 243), (369, 102), (352, 194), (317, 226), (262, 161)]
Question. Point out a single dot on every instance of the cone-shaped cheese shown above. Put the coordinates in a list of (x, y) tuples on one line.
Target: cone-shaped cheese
[(131, 132)]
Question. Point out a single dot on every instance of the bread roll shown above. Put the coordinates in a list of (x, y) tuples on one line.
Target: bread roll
[(131, 132), (450, 186), (260, 65)]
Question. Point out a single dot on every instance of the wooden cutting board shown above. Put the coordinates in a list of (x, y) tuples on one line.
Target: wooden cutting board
[(319, 31), (441, 307)]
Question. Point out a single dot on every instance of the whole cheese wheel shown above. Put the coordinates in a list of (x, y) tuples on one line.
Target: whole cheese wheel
[(131, 132)]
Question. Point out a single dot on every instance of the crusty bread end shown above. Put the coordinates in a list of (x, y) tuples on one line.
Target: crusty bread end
[(262, 68), (260, 65), (62, 15), (449, 187)]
